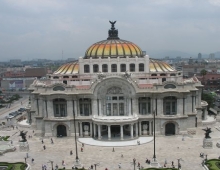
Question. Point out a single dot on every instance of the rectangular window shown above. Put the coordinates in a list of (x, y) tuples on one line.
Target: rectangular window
[(123, 67), (114, 67), (104, 68), (121, 108), (115, 109), (114, 98), (108, 109)]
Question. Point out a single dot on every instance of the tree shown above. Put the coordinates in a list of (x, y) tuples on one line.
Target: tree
[(209, 98), (203, 73)]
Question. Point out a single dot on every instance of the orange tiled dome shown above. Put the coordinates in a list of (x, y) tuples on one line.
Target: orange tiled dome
[(113, 48)]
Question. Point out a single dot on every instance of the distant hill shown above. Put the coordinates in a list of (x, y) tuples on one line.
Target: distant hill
[(170, 53)]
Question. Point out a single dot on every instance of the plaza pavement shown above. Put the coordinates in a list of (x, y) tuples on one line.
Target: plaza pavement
[(170, 148)]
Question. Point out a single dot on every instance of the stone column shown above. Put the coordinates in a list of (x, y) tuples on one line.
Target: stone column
[(140, 132), (131, 131), (69, 108), (100, 108), (109, 132), (90, 128), (150, 130), (179, 107), (121, 131), (99, 132), (50, 108), (81, 130), (136, 129), (129, 107), (159, 106), (94, 107), (94, 128), (75, 107)]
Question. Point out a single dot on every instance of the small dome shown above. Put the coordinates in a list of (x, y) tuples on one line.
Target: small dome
[(159, 66), (113, 48), (68, 68)]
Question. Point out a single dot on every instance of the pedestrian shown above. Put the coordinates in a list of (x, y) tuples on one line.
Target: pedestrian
[(33, 131), (11, 142), (71, 152), (56, 167), (81, 149), (42, 167), (91, 166), (122, 156), (119, 165), (138, 164), (51, 141), (42, 141), (106, 168), (172, 163), (63, 163), (32, 160), (44, 147), (25, 159), (113, 150)]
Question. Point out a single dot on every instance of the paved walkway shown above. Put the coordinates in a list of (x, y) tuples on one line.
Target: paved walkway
[(170, 148), (91, 141)]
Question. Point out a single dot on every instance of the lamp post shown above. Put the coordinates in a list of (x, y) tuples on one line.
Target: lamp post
[(97, 164), (74, 118), (134, 162), (51, 164), (154, 156)]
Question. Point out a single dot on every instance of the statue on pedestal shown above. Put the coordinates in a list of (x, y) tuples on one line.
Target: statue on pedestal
[(23, 136), (207, 132)]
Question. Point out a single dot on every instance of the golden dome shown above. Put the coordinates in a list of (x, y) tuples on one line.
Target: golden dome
[(68, 68), (155, 66), (113, 48), (159, 66)]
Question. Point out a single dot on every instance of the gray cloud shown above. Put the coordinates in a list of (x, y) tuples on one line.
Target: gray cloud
[(43, 28)]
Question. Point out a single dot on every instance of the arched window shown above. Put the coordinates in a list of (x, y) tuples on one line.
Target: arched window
[(95, 68), (132, 67), (114, 67), (144, 105), (169, 86), (104, 68), (170, 105), (85, 106), (86, 68), (60, 108), (55, 77), (123, 67), (58, 88), (115, 102), (141, 67)]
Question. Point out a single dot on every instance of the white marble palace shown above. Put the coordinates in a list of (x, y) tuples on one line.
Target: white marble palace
[(113, 92)]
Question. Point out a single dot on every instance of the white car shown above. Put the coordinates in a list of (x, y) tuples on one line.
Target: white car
[(9, 117)]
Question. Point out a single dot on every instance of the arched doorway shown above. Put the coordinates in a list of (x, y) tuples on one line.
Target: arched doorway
[(61, 131), (170, 129)]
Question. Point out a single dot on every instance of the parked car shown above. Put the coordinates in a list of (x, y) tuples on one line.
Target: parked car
[(21, 109), (9, 117)]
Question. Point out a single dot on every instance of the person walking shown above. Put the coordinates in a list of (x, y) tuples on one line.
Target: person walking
[(51, 141), (71, 152), (44, 147), (32, 160), (42, 141), (119, 165)]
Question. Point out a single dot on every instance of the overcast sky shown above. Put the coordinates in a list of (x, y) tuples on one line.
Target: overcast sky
[(33, 29)]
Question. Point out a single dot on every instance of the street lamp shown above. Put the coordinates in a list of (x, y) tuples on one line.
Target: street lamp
[(77, 162), (134, 162), (97, 164), (51, 163), (154, 156)]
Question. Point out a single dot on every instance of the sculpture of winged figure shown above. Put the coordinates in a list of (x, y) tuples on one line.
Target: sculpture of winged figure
[(113, 23), (23, 136), (207, 132)]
